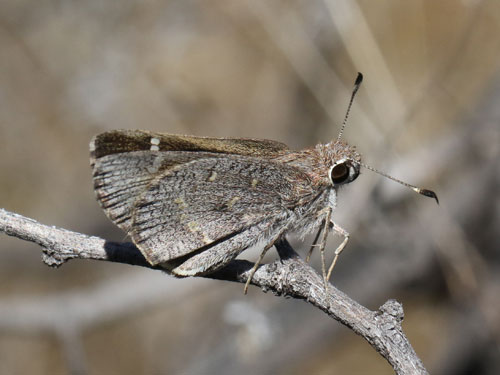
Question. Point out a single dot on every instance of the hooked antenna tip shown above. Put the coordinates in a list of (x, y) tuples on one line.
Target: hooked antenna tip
[(427, 193), (359, 79)]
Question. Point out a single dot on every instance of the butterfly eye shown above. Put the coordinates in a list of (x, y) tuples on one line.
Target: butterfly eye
[(339, 173)]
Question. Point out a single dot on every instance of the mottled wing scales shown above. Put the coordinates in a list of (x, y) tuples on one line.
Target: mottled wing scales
[(193, 206), (120, 179), (210, 258), (192, 202)]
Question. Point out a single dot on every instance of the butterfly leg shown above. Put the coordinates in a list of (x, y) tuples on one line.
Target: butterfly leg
[(324, 237), (256, 265), (339, 249), (315, 242)]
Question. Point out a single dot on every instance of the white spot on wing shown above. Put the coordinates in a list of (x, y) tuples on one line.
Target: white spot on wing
[(213, 176), (156, 163), (155, 142), (231, 203), (207, 240), (193, 226), (180, 201)]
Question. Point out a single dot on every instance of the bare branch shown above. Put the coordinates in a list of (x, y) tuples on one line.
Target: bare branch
[(290, 276)]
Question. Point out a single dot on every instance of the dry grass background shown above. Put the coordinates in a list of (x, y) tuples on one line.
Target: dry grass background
[(428, 113)]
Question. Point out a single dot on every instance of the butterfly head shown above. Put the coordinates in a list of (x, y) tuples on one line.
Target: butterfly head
[(343, 162)]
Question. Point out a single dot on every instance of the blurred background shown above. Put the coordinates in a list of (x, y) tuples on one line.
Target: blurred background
[(428, 113)]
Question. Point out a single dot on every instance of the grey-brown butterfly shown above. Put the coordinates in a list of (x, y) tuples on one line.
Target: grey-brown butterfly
[(192, 204)]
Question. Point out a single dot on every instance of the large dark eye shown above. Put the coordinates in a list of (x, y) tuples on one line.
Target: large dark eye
[(339, 173)]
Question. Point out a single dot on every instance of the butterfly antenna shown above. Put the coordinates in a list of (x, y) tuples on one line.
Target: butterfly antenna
[(357, 83), (425, 192)]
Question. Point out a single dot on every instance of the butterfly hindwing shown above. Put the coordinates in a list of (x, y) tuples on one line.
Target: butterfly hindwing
[(216, 255), (193, 202), (120, 179), (196, 205), (125, 162)]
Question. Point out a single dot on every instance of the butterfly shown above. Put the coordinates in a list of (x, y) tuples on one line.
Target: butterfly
[(192, 204)]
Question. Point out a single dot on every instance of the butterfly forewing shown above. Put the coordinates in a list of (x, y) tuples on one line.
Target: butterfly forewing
[(120, 141)]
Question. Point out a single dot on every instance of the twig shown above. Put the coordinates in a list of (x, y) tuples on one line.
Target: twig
[(290, 276)]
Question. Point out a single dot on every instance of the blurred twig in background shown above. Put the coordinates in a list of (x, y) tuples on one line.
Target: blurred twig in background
[(427, 113)]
